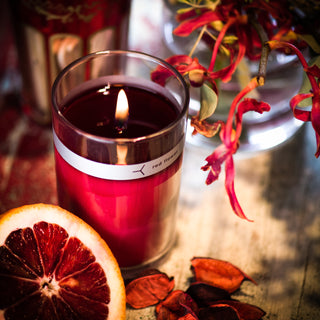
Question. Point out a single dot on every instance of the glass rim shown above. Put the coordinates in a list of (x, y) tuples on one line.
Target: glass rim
[(132, 53)]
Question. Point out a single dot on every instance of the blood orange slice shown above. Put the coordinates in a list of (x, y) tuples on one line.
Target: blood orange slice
[(55, 266)]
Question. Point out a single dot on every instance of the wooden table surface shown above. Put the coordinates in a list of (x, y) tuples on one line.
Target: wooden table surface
[(278, 189)]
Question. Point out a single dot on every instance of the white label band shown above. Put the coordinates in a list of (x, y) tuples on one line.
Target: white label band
[(114, 171)]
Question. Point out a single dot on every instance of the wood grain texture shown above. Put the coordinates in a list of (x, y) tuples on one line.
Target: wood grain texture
[(279, 190)]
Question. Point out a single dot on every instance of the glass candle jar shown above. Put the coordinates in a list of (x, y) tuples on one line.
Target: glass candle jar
[(121, 175)]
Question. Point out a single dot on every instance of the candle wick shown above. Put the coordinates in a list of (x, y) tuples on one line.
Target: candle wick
[(120, 126)]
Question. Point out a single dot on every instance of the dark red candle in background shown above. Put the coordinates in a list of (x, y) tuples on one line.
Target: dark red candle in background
[(51, 34)]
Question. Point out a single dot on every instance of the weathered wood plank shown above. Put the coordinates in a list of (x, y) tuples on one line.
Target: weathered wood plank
[(279, 190), (280, 249)]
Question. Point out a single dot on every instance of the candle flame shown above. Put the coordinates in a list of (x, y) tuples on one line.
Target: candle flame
[(122, 108)]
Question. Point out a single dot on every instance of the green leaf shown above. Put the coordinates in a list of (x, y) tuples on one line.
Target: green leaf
[(183, 10), (306, 86), (212, 4), (311, 41), (209, 102), (230, 39)]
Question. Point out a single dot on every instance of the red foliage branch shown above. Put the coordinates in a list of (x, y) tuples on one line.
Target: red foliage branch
[(257, 27)]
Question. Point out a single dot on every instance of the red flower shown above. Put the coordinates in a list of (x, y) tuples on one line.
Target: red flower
[(313, 74), (239, 28), (188, 26), (230, 143), (183, 63)]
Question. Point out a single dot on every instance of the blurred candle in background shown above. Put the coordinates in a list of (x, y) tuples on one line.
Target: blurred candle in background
[(50, 34)]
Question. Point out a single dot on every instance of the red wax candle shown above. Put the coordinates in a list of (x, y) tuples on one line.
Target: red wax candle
[(50, 34), (121, 176), (129, 214)]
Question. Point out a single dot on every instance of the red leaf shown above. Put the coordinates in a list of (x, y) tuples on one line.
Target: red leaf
[(249, 104), (205, 128), (189, 316), (160, 75), (246, 311), (229, 185), (182, 63), (226, 73), (178, 305), (219, 312), (314, 71), (148, 290), (218, 273), (215, 161), (191, 13), (315, 120), (302, 115), (186, 27), (205, 295)]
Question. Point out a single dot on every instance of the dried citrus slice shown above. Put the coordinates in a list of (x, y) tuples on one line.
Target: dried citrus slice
[(55, 266)]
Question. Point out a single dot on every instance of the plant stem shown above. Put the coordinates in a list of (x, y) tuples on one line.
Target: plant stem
[(222, 33), (265, 48), (198, 40)]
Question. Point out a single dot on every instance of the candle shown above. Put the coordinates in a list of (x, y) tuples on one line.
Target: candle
[(117, 169), (50, 34)]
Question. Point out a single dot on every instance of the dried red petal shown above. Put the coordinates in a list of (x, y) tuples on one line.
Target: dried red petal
[(314, 71), (205, 295), (218, 273), (187, 26), (214, 163), (148, 290), (203, 127), (303, 115), (189, 316), (249, 104), (191, 13), (246, 311), (178, 305), (219, 312), (182, 63), (229, 185)]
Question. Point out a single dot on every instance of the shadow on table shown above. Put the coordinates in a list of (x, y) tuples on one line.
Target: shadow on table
[(294, 192)]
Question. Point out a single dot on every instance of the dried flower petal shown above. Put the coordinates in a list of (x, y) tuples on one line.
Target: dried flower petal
[(249, 104), (148, 290), (205, 128), (303, 115), (218, 273), (219, 312), (205, 295), (246, 311), (215, 161), (187, 26), (178, 305), (314, 71), (182, 63)]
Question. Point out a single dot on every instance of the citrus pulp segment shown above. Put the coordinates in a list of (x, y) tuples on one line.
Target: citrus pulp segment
[(55, 266)]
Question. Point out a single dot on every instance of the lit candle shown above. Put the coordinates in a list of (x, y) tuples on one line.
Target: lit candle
[(125, 183)]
